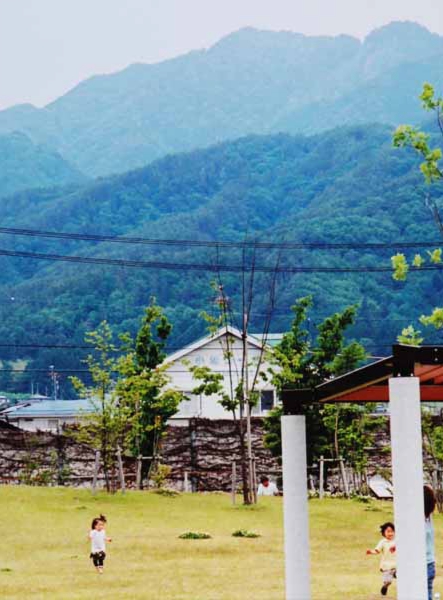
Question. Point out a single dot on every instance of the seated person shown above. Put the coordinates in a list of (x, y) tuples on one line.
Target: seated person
[(267, 488)]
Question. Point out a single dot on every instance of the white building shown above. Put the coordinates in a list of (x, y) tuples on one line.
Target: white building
[(210, 351)]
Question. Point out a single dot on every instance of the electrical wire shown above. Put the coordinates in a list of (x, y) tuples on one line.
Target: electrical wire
[(215, 243), (217, 268)]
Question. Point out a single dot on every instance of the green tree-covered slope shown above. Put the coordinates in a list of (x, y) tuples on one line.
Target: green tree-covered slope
[(345, 186)]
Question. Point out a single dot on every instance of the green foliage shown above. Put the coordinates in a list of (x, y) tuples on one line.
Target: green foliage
[(301, 363), (435, 319), (400, 266), (106, 428), (211, 383), (143, 388), (405, 135), (408, 136), (410, 336), (350, 427)]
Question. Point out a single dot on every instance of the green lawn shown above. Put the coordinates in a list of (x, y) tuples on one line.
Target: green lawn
[(44, 550)]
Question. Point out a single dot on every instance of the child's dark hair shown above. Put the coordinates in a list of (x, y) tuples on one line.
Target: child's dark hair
[(430, 500), (385, 526), (101, 518)]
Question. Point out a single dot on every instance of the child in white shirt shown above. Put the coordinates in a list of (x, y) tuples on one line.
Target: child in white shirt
[(386, 549), (98, 538)]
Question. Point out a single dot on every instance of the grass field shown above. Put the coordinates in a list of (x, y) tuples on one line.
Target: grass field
[(44, 550)]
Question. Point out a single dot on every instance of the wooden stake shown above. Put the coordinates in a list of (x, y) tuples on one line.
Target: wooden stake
[(321, 491), (233, 482), (96, 468), (311, 482), (120, 470), (138, 479), (254, 481), (343, 476)]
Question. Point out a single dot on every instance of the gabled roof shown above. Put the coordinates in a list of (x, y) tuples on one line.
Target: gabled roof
[(200, 343)]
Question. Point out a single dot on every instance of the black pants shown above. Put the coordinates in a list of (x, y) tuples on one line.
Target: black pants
[(98, 558)]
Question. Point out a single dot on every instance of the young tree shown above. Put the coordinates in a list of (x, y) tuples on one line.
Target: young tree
[(105, 429), (144, 388), (233, 401), (237, 391), (299, 364)]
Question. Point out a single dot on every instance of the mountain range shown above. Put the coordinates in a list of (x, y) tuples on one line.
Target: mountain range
[(250, 82)]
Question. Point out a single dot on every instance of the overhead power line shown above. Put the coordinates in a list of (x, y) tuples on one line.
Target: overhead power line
[(214, 268), (45, 346), (216, 243)]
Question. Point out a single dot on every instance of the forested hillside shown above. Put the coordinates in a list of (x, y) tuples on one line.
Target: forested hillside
[(345, 186), (250, 82), (26, 165)]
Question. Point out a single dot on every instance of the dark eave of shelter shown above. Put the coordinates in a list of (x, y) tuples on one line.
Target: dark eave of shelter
[(370, 383)]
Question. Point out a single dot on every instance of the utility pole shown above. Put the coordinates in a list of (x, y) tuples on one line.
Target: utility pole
[(54, 382)]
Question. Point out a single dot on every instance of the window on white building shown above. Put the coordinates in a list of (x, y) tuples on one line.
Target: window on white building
[(265, 403)]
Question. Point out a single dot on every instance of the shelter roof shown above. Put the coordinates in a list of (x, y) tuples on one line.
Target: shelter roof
[(370, 383)]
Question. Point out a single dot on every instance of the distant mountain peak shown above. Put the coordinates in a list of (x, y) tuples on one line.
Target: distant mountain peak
[(247, 35), (402, 30)]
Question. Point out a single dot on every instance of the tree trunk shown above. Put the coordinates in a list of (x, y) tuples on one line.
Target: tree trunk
[(244, 463)]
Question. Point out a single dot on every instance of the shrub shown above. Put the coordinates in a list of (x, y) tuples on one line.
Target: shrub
[(159, 475), (194, 535), (244, 533)]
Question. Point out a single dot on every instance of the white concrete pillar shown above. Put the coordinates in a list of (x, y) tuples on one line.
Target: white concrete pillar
[(295, 506), (407, 472)]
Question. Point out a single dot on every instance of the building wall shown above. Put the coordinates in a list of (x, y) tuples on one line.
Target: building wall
[(44, 423)]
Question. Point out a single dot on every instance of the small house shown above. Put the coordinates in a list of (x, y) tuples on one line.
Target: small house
[(46, 415)]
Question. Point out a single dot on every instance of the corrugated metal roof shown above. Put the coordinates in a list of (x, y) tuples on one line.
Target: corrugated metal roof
[(50, 408)]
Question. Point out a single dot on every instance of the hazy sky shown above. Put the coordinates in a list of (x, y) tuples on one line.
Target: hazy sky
[(48, 46)]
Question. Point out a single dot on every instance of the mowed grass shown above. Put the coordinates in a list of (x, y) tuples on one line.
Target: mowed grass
[(44, 552)]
